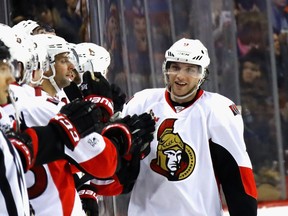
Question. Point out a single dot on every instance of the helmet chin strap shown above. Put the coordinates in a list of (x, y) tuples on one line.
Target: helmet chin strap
[(52, 80), (17, 113)]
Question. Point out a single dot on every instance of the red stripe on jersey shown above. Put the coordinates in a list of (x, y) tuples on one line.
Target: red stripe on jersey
[(64, 181), (74, 169), (198, 95), (38, 91), (248, 181), (32, 133)]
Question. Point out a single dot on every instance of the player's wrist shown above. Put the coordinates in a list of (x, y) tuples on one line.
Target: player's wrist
[(70, 137)]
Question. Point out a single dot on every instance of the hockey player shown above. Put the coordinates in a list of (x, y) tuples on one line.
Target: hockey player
[(96, 59), (198, 145)]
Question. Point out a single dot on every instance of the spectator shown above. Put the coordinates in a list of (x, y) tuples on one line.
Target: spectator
[(256, 107)]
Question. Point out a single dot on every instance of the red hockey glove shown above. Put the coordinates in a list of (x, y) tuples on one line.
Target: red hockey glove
[(89, 200), (77, 119), (26, 144), (132, 134), (98, 90)]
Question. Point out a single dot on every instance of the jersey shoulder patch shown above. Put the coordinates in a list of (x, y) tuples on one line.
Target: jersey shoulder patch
[(234, 109)]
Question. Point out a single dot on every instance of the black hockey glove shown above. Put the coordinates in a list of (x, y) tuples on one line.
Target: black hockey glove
[(118, 97), (73, 92), (77, 119), (97, 89), (132, 134), (128, 172), (95, 84), (89, 200)]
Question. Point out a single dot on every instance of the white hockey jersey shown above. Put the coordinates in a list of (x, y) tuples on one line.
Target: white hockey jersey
[(13, 194), (179, 177), (50, 186)]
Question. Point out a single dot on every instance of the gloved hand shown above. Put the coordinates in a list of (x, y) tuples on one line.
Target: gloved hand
[(121, 182), (73, 91), (77, 119), (118, 97), (95, 84), (22, 141), (132, 134), (89, 200), (97, 89), (128, 173)]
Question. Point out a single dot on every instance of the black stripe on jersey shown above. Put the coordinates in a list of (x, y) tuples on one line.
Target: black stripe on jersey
[(5, 188), (227, 171)]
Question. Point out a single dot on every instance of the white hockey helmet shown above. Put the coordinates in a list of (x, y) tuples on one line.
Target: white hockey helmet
[(40, 49), (26, 26), (73, 56), (55, 45), (93, 58), (6, 36), (188, 51), (20, 50), (43, 58), (30, 59)]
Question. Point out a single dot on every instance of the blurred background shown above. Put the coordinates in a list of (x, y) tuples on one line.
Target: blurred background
[(247, 42)]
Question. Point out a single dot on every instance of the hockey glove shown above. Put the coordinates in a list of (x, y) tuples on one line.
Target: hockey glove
[(122, 181), (73, 92), (132, 134), (26, 144), (89, 200), (128, 173), (77, 119), (118, 97), (97, 89)]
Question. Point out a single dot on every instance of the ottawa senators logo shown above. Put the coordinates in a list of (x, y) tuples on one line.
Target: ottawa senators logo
[(175, 159)]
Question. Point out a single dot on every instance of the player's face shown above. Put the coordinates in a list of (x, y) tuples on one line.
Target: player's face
[(183, 78), (62, 67), (6, 78)]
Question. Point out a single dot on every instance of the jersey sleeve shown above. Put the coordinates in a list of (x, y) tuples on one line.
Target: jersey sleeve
[(231, 162), (95, 155), (136, 104)]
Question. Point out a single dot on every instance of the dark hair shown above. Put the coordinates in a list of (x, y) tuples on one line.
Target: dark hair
[(256, 56), (4, 51)]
